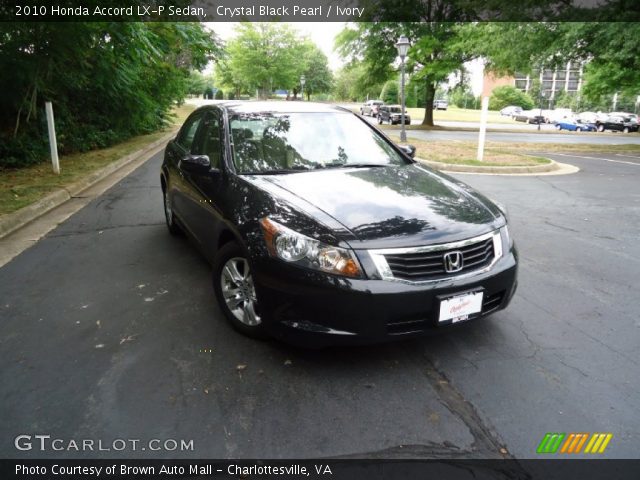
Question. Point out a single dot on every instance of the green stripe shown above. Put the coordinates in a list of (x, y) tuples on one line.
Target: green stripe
[(557, 443), (550, 443), (542, 446)]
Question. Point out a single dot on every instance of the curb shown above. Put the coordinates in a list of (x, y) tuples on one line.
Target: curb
[(452, 167), (15, 220)]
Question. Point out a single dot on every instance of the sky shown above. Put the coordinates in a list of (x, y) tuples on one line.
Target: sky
[(323, 35)]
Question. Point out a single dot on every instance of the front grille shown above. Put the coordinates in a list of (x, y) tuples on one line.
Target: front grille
[(420, 266)]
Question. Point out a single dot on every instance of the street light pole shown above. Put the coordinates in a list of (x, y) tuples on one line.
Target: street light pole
[(403, 46), (302, 80)]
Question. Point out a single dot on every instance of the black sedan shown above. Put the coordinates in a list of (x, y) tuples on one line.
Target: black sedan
[(617, 124), (322, 231)]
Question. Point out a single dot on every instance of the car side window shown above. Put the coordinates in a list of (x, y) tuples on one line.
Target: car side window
[(188, 132), (209, 140)]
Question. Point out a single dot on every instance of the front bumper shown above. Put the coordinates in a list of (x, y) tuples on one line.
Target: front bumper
[(310, 308)]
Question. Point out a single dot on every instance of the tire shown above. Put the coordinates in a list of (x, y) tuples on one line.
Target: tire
[(600, 128), (625, 130), (235, 291), (578, 129), (379, 120), (169, 217), (558, 127)]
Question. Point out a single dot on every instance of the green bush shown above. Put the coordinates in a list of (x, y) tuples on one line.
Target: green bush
[(506, 95), (219, 95), (390, 92), (465, 99)]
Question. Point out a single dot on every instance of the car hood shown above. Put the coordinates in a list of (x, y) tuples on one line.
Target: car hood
[(385, 207)]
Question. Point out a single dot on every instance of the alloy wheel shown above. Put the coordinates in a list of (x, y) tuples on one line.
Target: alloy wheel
[(239, 291)]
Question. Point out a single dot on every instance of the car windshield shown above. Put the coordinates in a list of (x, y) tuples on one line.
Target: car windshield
[(267, 142), (395, 110)]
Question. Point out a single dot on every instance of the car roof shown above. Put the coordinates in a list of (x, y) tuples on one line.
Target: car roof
[(233, 106)]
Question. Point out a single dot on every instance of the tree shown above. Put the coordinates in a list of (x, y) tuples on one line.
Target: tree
[(354, 84), (318, 77), (434, 52), (390, 92), (506, 95), (262, 57), (108, 81)]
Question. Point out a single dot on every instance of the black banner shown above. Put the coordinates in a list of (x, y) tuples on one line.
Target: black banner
[(320, 10), (326, 469)]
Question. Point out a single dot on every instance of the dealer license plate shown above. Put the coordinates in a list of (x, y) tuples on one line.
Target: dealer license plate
[(459, 308)]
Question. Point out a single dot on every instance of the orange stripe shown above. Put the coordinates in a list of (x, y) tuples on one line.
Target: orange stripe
[(574, 443), (582, 440), (567, 442)]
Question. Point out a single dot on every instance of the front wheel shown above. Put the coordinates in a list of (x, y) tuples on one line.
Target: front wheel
[(235, 290), (601, 128), (379, 120), (625, 130), (578, 129), (558, 127)]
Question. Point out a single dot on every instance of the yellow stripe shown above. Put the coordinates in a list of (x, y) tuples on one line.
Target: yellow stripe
[(591, 442), (605, 443), (596, 445), (567, 442), (582, 440)]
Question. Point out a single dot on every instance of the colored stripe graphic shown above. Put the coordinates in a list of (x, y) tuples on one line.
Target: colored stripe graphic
[(573, 442), (550, 443), (598, 443)]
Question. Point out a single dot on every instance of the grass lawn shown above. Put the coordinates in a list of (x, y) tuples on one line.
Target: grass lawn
[(464, 153), (21, 187), (455, 114)]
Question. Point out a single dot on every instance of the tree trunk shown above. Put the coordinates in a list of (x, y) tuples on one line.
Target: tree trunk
[(430, 93)]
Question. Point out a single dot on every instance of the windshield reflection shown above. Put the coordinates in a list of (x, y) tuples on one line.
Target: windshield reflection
[(266, 142)]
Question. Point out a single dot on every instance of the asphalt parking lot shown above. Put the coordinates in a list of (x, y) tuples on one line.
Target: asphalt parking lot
[(110, 330)]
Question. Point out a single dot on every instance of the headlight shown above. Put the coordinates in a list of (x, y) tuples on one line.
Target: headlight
[(507, 236), (293, 247)]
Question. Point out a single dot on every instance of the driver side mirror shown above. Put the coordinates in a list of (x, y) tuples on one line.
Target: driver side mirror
[(409, 150), (195, 164)]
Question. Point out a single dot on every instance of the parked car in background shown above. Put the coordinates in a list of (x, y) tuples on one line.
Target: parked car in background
[(337, 238), (575, 125), (393, 115), (557, 115), (529, 116), (440, 104), (510, 111), (617, 124), (370, 107), (589, 117)]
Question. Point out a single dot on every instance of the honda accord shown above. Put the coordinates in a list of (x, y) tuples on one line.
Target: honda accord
[(323, 231)]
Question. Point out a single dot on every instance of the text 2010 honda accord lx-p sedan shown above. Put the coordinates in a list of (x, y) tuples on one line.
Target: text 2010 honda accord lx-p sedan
[(322, 231)]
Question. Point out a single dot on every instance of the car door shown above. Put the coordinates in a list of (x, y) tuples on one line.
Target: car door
[(176, 150), (205, 189)]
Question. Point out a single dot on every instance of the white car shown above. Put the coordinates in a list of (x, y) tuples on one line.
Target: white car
[(370, 107), (510, 111)]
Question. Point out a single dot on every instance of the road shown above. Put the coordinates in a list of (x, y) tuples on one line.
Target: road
[(110, 330)]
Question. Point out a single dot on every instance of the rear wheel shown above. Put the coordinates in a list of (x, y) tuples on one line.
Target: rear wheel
[(578, 129), (235, 290), (601, 128)]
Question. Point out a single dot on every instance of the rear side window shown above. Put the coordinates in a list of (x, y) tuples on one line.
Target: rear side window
[(188, 132)]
